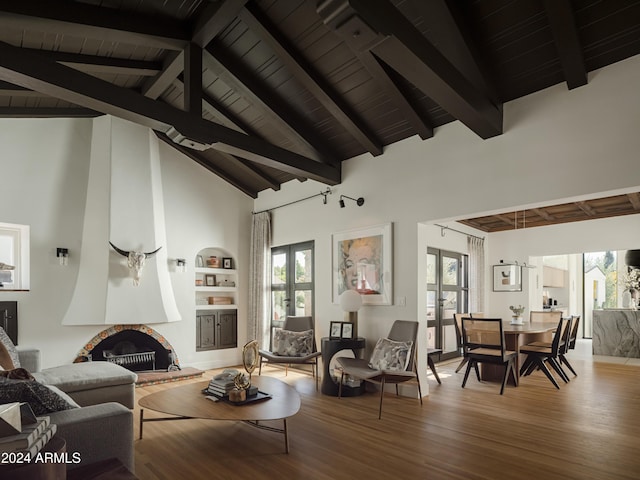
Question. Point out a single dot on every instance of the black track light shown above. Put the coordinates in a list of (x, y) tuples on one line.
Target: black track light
[(359, 201)]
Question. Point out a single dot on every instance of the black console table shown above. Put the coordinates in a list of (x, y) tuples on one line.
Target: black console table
[(331, 346)]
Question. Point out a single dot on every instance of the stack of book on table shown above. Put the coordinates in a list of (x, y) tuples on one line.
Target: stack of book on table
[(30, 436), (223, 383)]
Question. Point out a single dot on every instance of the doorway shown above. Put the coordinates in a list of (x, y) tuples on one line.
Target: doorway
[(292, 283), (447, 293)]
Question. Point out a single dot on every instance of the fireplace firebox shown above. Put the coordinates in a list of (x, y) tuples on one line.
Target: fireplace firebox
[(135, 347)]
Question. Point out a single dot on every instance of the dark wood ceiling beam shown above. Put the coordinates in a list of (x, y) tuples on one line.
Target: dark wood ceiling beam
[(565, 35), (40, 74), (421, 125), (47, 112), (193, 80), (97, 64), (584, 206), (245, 84), (196, 157), (507, 220), (310, 78), (542, 214), (249, 169), (83, 20), (382, 29), (10, 90), (634, 200), (210, 23)]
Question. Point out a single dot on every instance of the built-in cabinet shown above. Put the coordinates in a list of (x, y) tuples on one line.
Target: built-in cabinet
[(553, 277), (215, 297), (216, 329)]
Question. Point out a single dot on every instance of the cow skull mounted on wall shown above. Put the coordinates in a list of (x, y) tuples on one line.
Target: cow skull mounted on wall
[(135, 261)]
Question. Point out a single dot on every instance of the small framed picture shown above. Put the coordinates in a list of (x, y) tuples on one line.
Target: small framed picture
[(335, 330), (210, 280), (227, 262), (199, 261), (347, 330)]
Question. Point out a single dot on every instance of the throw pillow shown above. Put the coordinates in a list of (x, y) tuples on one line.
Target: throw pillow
[(293, 344), (9, 358), (40, 398), (17, 374), (390, 355)]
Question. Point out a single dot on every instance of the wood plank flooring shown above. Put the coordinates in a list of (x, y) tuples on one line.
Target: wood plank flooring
[(587, 430)]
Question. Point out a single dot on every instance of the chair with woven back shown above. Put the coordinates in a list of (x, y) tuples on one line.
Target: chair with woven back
[(547, 316), (458, 324), (483, 342), (538, 356)]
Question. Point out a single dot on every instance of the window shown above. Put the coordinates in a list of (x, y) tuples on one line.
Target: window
[(14, 252), (292, 284)]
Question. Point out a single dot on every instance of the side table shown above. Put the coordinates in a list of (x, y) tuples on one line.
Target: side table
[(330, 347)]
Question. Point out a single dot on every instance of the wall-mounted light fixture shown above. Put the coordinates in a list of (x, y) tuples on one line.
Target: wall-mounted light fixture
[(63, 255), (181, 265), (359, 201)]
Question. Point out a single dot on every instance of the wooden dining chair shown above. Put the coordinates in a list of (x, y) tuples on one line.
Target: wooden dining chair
[(546, 316), (483, 340), (538, 356), (458, 324), (571, 343)]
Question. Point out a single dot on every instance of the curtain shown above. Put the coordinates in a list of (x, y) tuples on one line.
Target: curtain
[(476, 274), (259, 279)]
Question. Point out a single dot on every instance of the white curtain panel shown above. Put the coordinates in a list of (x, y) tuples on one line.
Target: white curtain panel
[(259, 279), (476, 274)]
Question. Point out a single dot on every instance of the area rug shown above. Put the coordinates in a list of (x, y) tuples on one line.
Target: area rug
[(153, 378)]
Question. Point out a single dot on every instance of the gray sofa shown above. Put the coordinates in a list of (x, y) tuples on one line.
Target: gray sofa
[(102, 427)]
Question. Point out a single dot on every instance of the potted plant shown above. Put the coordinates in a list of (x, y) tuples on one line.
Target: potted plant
[(516, 318)]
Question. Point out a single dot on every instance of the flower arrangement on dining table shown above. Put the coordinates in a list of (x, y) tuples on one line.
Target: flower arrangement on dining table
[(517, 311)]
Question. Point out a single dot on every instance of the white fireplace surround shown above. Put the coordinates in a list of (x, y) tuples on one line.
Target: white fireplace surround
[(124, 205)]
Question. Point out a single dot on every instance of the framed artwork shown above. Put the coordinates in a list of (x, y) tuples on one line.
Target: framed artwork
[(362, 260), (210, 280), (227, 262), (347, 330), (507, 278), (335, 330)]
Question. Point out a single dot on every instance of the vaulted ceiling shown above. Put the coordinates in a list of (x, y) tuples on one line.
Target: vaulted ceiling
[(261, 92)]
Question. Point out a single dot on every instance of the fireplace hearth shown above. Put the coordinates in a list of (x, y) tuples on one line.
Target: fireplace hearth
[(136, 347)]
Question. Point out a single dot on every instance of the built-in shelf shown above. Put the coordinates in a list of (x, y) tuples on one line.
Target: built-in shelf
[(216, 307), (216, 271), (216, 289)]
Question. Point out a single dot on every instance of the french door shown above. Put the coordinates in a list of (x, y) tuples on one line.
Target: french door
[(447, 293), (292, 284)]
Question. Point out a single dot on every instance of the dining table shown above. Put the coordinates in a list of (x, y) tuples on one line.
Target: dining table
[(515, 336)]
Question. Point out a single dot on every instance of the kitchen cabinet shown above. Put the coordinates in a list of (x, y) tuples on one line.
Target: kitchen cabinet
[(553, 277)]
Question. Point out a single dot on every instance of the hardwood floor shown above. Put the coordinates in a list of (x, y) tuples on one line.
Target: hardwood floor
[(589, 429)]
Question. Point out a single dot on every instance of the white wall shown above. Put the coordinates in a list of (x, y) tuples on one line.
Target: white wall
[(558, 144), (44, 171)]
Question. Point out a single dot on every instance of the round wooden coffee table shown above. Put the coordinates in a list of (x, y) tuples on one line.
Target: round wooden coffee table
[(188, 402)]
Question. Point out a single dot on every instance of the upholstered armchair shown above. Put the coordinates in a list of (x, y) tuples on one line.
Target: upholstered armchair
[(294, 344)]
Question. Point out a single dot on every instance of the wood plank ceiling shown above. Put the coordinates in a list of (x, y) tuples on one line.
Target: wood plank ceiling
[(261, 92), (592, 209)]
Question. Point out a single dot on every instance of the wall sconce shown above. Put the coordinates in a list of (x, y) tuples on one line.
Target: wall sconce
[(359, 201), (63, 256), (181, 265)]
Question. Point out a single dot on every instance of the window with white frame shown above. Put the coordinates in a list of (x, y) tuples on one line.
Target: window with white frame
[(14, 256)]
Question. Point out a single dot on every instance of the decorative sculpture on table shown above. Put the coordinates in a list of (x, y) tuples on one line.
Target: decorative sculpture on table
[(516, 318), (242, 383), (135, 261)]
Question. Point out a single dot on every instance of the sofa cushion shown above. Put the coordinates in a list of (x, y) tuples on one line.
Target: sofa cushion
[(390, 355), (292, 344), (9, 358), (85, 376), (41, 399)]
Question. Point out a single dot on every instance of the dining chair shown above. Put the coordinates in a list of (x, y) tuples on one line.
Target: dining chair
[(296, 345), (483, 342), (539, 355), (571, 343), (458, 324), (546, 316), (393, 361)]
